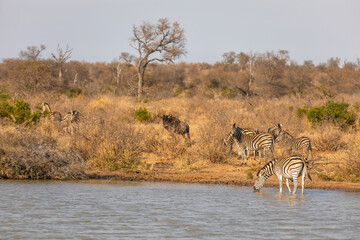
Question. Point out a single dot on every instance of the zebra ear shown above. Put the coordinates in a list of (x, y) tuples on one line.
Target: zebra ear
[(234, 125), (280, 125)]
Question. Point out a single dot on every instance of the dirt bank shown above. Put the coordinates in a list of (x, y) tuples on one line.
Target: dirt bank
[(218, 175)]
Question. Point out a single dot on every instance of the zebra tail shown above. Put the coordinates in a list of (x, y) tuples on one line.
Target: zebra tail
[(308, 174), (306, 163)]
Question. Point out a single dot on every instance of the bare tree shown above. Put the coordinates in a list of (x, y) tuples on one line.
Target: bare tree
[(229, 57), (61, 57), (32, 52), (162, 42), (272, 65), (117, 73), (243, 60)]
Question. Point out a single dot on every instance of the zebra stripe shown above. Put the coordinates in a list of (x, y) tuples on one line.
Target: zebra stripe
[(236, 134), (290, 168), (68, 121), (302, 143), (262, 141), (230, 140), (275, 130), (54, 116)]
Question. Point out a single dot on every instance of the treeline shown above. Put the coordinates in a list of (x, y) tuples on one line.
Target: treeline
[(269, 75)]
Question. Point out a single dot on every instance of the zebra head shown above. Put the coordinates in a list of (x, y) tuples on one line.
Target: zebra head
[(263, 174), (229, 139), (260, 181), (283, 136), (275, 130)]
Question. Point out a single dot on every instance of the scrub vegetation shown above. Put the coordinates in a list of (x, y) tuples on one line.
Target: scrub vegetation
[(120, 133)]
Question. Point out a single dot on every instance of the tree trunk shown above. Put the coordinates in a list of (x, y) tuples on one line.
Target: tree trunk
[(60, 74), (140, 83), (251, 74)]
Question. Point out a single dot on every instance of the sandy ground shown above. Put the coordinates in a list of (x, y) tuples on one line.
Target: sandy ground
[(217, 175)]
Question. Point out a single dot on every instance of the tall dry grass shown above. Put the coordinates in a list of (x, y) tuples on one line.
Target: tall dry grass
[(109, 137), (28, 154)]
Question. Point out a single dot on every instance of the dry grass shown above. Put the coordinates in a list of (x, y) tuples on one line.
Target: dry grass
[(108, 137), (28, 154)]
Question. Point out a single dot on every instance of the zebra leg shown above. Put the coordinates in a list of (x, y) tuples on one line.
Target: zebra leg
[(295, 184), (246, 154), (303, 181), (259, 157), (280, 182), (287, 184)]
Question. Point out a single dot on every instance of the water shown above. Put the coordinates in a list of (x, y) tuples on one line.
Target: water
[(128, 210)]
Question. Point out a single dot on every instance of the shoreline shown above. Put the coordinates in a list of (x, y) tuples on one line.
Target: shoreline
[(214, 178)]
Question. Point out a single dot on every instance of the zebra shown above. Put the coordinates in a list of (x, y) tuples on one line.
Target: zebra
[(69, 119), (230, 140), (55, 116), (275, 130), (290, 168), (261, 141), (302, 143), (75, 116)]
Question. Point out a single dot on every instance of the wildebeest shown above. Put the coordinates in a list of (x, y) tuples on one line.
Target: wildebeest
[(174, 125)]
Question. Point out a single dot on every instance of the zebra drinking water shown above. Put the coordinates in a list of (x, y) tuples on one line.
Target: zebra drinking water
[(302, 143), (290, 168)]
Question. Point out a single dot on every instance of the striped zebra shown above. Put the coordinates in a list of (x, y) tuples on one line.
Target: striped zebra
[(230, 140), (290, 168), (68, 121), (291, 143), (55, 116), (275, 130), (257, 142)]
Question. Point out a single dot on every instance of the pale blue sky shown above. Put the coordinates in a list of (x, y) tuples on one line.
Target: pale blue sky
[(100, 30)]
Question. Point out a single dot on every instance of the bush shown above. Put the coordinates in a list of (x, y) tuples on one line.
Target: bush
[(334, 112), (142, 115), (228, 93), (74, 92), (25, 153), (120, 149), (17, 112), (178, 91)]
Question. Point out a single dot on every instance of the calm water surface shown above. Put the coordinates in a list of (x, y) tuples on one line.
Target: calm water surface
[(128, 210)]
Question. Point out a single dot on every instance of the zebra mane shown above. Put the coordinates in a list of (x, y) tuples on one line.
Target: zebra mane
[(269, 165)]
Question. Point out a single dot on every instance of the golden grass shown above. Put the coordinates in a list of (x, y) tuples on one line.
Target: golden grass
[(108, 136)]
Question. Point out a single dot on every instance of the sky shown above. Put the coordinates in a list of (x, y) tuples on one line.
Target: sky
[(100, 30)]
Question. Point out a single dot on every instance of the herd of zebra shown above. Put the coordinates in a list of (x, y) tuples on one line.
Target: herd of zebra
[(245, 139), (65, 121), (290, 167)]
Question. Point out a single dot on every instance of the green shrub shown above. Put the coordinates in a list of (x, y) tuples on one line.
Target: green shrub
[(4, 96), (178, 91), (333, 112), (74, 92), (228, 93), (302, 111), (142, 115), (18, 112)]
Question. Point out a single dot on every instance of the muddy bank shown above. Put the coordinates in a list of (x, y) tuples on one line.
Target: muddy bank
[(216, 177)]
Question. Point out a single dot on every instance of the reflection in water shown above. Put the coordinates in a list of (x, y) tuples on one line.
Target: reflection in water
[(128, 210), (284, 198)]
